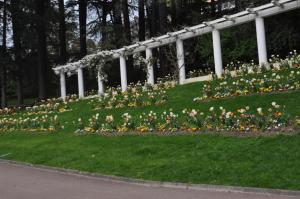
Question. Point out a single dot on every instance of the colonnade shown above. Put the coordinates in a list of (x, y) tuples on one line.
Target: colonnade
[(257, 14), (217, 49)]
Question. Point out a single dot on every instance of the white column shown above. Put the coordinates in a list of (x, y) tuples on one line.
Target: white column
[(100, 84), (123, 73), (80, 83), (180, 60), (217, 52), (261, 41), (150, 71), (63, 91)]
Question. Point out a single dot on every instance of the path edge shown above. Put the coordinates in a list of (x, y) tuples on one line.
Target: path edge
[(148, 183)]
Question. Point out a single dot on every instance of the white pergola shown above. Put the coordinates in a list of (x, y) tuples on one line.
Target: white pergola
[(251, 14)]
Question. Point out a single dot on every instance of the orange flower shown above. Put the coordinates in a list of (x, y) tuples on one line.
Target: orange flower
[(278, 114)]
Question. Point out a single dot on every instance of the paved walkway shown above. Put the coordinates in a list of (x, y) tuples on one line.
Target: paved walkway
[(23, 182)]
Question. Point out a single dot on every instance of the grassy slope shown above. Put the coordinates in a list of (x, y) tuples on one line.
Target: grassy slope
[(182, 97), (271, 162)]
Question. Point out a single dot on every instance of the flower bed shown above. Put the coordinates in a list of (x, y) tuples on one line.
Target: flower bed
[(217, 119), (246, 85), (40, 117), (49, 106), (40, 123), (283, 77), (137, 95)]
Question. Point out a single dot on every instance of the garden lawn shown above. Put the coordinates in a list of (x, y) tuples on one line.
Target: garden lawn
[(269, 162)]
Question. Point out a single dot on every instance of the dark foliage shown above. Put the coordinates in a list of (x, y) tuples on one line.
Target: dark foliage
[(37, 35)]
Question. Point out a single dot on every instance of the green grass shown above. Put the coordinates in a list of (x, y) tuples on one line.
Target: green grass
[(181, 97), (270, 162)]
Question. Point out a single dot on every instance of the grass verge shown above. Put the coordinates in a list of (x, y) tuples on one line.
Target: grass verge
[(268, 162)]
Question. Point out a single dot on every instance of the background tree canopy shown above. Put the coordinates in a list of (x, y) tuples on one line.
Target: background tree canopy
[(37, 35)]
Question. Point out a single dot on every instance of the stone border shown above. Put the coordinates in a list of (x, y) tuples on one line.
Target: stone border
[(146, 183)]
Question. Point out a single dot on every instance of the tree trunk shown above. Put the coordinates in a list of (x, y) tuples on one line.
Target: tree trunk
[(148, 19), (126, 22), (173, 13), (62, 33), (142, 30), (104, 21), (213, 8), (41, 9), (117, 23), (142, 36), (219, 6), (154, 17), (162, 7), (131, 72), (82, 26), (17, 47), (3, 54), (162, 17), (179, 11)]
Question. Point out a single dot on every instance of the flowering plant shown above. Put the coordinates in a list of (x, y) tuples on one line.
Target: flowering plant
[(269, 82), (199, 72), (39, 123), (293, 59), (136, 96), (217, 119)]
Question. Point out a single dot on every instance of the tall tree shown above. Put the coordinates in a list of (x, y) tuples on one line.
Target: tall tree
[(127, 30), (104, 20), (162, 16), (141, 6), (3, 54), (173, 13), (82, 26), (62, 32), (154, 17), (178, 12), (213, 7), (41, 8), (162, 8), (125, 11), (117, 23), (16, 27)]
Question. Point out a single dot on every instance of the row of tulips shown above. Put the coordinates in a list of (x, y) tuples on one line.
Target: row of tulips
[(192, 120), (39, 123)]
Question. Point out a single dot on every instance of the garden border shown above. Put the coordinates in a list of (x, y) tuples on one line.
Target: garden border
[(288, 131), (146, 183)]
